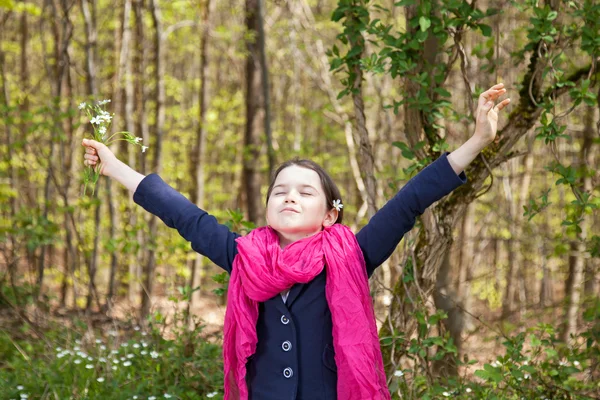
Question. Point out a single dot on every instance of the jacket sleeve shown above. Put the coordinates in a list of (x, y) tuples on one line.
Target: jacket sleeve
[(206, 235), (387, 227)]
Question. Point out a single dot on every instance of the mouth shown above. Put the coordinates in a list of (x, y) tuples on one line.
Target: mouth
[(289, 209)]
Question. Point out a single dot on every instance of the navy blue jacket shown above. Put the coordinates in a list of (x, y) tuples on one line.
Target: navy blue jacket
[(294, 357)]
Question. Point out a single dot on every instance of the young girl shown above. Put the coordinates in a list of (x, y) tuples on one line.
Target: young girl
[(299, 322)]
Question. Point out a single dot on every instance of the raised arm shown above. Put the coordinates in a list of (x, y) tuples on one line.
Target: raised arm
[(206, 235), (381, 235), (387, 227)]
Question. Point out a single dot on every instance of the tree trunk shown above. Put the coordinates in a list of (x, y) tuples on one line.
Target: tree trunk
[(122, 42), (158, 133), (255, 109), (574, 284), (198, 154)]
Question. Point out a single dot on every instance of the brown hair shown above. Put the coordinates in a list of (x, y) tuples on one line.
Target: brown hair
[(329, 187)]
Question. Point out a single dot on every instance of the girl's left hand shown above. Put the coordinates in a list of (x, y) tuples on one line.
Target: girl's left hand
[(486, 123)]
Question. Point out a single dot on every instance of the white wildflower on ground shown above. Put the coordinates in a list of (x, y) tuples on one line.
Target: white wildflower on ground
[(167, 396), (127, 363), (398, 373), (124, 344), (24, 395), (89, 366), (100, 379), (143, 352), (130, 355), (77, 361), (114, 367), (154, 354), (211, 395), (468, 390), (136, 346), (152, 398), (20, 387), (98, 341), (446, 394)]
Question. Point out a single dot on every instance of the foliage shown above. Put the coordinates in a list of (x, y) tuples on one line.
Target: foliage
[(535, 364), (83, 362)]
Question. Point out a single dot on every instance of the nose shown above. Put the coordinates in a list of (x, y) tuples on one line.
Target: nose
[(290, 197)]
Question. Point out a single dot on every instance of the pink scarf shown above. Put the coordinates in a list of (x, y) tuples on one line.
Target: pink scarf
[(262, 270)]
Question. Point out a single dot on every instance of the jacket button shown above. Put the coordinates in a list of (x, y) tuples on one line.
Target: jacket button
[(286, 346), (288, 373), (285, 320)]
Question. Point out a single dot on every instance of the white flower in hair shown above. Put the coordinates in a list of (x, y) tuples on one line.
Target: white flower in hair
[(337, 204)]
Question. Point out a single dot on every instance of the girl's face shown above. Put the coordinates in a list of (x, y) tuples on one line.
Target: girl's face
[(296, 208)]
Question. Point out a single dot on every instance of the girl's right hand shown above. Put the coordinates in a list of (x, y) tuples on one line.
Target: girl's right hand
[(96, 152)]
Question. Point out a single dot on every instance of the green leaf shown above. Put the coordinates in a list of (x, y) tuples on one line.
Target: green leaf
[(424, 23), (486, 30)]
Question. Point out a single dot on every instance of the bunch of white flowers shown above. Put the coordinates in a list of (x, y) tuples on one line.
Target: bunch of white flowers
[(101, 121)]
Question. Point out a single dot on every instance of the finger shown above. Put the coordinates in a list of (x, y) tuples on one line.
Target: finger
[(502, 104), (492, 94)]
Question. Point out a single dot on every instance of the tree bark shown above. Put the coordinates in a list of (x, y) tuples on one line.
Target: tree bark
[(198, 154), (574, 284), (255, 109), (159, 71)]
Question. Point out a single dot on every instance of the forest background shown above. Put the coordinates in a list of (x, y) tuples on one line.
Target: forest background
[(493, 294)]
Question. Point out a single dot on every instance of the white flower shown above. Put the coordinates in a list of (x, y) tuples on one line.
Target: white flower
[(154, 354), (137, 139), (213, 394), (167, 396), (134, 397), (98, 341), (398, 373), (76, 348), (60, 355), (468, 390), (103, 347), (124, 344), (114, 352), (82, 105), (446, 394), (101, 379), (77, 361), (58, 349), (24, 395), (130, 355), (96, 120), (115, 361), (576, 363), (527, 376), (127, 363), (114, 367), (20, 387), (103, 102), (89, 366), (90, 358), (151, 398), (136, 346), (113, 333), (144, 149), (144, 333), (337, 204), (143, 352), (102, 359), (102, 131), (144, 344)]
